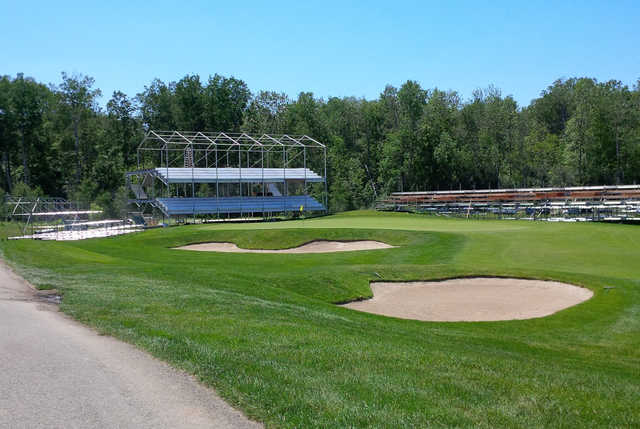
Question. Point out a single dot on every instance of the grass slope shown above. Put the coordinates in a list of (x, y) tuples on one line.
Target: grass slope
[(263, 330)]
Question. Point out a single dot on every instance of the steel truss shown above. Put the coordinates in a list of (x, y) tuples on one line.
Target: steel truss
[(51, 209)]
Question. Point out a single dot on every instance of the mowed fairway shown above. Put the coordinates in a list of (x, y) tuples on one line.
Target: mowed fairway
[(264, 331)]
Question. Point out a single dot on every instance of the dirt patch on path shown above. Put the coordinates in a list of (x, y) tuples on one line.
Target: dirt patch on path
[(471, 299), (319, 246)]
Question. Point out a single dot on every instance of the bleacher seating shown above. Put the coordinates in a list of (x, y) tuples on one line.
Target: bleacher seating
[(235, 175), (189, 206)]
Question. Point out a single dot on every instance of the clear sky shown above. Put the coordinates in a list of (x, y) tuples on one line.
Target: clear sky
[(332, 48)]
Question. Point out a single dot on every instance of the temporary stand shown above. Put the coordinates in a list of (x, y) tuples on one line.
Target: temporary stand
[(188, 174), (585, 203)]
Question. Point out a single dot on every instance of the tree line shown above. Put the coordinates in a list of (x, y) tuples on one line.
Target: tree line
[(57, 140)]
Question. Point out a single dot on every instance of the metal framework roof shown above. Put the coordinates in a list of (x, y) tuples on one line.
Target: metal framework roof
[(179, 140), (227, 160), (43, 206)]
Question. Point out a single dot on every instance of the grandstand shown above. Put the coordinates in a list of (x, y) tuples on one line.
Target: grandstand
[(587, 203), (182, 174)]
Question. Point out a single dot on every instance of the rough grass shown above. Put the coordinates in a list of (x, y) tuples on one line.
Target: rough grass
[(10, 229), (263, 330)]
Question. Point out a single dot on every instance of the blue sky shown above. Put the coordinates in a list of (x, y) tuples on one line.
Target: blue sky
[(332, 48)]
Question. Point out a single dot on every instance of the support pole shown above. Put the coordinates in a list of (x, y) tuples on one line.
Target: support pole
[(262, 171), (240, 179), (167, 164), (326, 195), (284, 175), (217, 182), (193, 185), (304, 158)]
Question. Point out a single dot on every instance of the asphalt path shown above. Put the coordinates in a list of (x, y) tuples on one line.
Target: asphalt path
[(57, 373)]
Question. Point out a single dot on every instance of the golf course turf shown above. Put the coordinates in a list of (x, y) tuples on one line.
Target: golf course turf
[(264, 330)]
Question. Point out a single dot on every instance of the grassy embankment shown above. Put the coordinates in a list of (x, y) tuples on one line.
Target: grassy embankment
[(263, 330)]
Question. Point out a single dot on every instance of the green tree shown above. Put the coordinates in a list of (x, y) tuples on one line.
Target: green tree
[(437, 159), (189, 104), (225, 101), (265, 113), (556, 105), (28, 108), (7, 126), (304, 116), (156, 106), (123, 127), (78, 105)]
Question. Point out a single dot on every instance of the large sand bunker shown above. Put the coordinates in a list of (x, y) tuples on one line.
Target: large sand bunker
[(319, 246), (471, 299)]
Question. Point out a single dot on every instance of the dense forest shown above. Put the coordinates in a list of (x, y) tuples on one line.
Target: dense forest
[(56, 140)]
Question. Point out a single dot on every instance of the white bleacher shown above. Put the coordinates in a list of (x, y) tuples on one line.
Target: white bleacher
[(236, 175)]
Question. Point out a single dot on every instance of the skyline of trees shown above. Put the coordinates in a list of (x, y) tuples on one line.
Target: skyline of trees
[(57, 140)]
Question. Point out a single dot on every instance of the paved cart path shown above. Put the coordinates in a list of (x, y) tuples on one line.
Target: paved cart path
[(57, 373)]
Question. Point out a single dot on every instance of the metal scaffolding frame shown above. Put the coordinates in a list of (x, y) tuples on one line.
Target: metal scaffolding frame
[(196, 150), (51, 209)]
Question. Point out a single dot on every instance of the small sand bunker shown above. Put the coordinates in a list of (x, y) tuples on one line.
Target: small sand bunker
[(319, 246), (471, 299)]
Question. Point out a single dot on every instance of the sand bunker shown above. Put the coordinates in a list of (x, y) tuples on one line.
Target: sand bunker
[(320, 246), (471, 299)]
